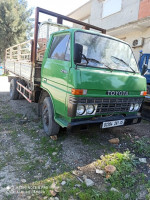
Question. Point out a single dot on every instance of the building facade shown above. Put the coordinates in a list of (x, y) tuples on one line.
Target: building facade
[(124, 19)]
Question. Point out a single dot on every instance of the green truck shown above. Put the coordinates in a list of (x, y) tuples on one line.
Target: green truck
[(77, 76)]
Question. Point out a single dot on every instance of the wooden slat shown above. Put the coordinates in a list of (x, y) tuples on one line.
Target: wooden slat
[(19, 52)]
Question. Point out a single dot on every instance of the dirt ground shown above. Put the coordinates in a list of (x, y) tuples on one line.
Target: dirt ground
[(27, 155)]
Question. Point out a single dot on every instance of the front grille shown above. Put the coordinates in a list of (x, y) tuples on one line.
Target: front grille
[(111, 105), (108, 105)]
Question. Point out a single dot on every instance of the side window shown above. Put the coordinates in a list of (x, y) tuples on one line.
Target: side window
[(67, 55), (60, 48)]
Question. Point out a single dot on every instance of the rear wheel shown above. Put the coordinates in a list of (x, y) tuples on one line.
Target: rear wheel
[(14, 94), (50, 126)]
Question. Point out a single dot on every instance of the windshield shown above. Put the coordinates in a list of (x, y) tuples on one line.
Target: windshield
[(103, 52)]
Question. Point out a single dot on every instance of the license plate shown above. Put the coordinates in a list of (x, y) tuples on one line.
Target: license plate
[(113, 123)]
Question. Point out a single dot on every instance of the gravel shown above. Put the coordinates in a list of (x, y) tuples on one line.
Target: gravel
[(78, 149)]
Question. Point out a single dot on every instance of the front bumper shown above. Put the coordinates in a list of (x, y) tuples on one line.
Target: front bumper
[(147, 99), (129, 120), (145, 111)]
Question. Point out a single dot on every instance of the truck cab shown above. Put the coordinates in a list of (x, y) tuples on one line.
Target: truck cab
[(92, 78), (145, 59)]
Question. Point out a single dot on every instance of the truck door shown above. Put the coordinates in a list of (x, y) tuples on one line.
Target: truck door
[(55, 70), (147, 75), (145, 59)]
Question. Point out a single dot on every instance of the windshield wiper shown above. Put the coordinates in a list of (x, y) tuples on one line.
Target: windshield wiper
[(94, 60), (124, 63)]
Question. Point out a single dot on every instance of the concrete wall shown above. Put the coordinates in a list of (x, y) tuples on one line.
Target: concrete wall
[(86, 20), (132, 10), (126, 23), (128, 13)]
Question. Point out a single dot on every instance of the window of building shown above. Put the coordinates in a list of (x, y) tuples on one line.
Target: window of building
[(60, 48), (110, 7)]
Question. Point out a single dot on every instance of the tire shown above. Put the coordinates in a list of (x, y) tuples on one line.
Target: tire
[(148, 89), (50, 126), (14, 94)]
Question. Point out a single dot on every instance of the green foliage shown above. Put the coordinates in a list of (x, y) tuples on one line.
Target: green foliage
[(125, 177), (148, 189), (142, 146), (24, 154), (15, 23), (116, 159), (91, 194), (69, 190)]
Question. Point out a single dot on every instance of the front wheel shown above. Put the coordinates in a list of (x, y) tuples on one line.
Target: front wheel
[(50, 126)]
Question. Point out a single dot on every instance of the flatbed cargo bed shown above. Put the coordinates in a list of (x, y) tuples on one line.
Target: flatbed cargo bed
[(25, 60)]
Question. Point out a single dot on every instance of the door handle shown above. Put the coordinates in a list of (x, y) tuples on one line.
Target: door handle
[(64, 71)]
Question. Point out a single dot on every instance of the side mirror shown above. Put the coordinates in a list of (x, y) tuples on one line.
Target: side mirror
[(78, 49), (144, 69)]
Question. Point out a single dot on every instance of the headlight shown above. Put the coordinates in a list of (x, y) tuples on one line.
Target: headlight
[(136, 107), (80, 110), (131, 107), (90, 109)]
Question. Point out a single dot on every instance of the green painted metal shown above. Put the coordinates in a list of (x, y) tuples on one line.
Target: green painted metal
[(97, 81)]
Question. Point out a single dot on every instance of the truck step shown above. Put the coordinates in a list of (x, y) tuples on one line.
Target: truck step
[(25, 92)]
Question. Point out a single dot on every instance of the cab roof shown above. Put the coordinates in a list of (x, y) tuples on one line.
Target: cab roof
[(73, 30)]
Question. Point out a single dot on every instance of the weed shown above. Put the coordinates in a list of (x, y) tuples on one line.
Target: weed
[(25, 129), (31, 166), (145, 121), (41, 125), (4, 185), (2, 164), (30, 132), (18, 115), (124, 178), (70, 190), (142, 146), (49, 148), (8, 197), (33, 133), (91, 194), (14, 135), (88, 138), (148, 189), (8, 115), (8, 157), (24, 154)]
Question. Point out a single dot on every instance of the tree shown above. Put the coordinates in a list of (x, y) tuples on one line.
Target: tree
[(15, 23)]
